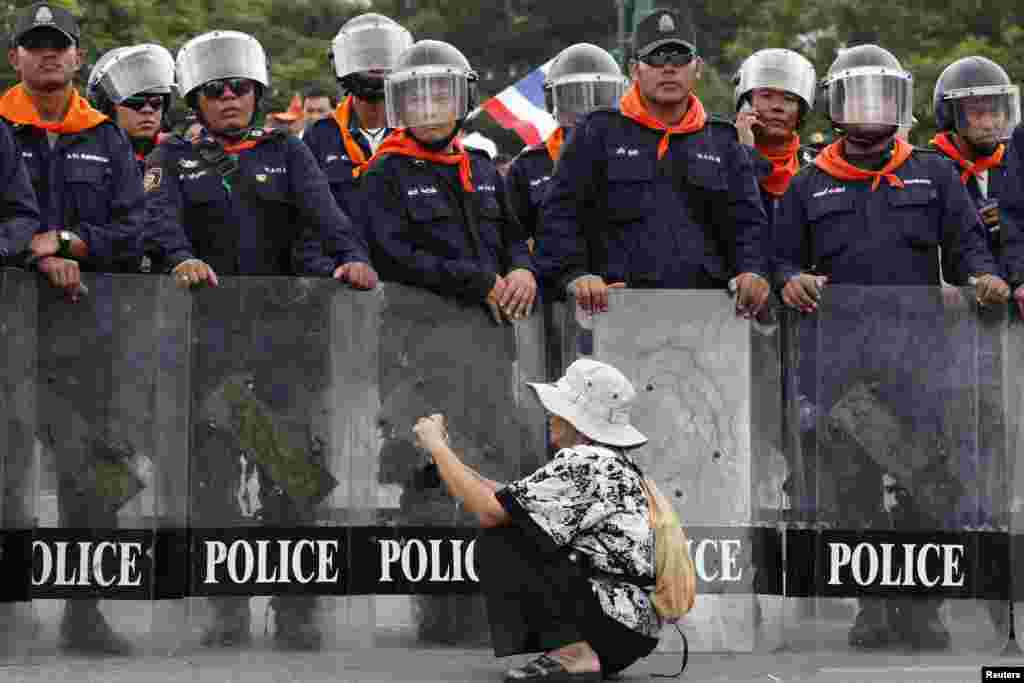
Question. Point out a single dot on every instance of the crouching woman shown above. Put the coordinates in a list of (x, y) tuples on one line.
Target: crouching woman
[(566, 554)]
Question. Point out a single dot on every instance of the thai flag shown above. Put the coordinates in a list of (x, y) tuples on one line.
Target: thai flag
[(520, 107)]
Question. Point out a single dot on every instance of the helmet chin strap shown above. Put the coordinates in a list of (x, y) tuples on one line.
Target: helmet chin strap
[(438, 145), (871, 137)]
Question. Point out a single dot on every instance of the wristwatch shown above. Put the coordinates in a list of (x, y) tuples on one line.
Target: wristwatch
[(64, 238)]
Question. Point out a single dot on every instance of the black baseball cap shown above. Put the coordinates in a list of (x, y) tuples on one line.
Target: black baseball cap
[(43, 15), (663, 27)]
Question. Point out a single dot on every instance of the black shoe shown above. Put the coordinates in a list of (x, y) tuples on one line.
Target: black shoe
[(85, 630), (545, 669), (231, 625)]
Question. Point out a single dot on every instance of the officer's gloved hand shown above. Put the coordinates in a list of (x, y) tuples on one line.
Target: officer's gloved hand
[(516, 301), (358, 274), (591, 292), (991, 290), (752, 292), (194, 273), (803, 292), (65, 274)]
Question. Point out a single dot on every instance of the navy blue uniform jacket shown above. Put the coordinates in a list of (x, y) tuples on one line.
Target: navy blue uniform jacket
[(276, 219), (1011, 209), (527, 182), (19, 211), (415, 214), (691, 220)]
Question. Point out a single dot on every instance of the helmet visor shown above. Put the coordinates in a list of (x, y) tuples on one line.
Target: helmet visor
[(425, 98), (578, 95), (870, 95), (137, 72), (373, 47), (991, 111), (221, 56)]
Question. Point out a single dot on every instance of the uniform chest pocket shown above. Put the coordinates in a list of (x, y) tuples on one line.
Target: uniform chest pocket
[(706, 172), (269, 187), (88, 192), (831, 218), (913, 208), (630, 186), (429, 210), (203, 187), (340, 173)]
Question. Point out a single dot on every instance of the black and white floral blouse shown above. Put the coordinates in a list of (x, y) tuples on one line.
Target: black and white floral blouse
[(589, 499)]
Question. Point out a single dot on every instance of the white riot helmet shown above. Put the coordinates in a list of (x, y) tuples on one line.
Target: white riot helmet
[(866, 85), (777, 69), (582, 78), (125, 72), (431, 84), (218, 55), (365, 49)]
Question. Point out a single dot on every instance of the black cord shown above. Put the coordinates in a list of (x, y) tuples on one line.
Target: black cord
[(686, 657)]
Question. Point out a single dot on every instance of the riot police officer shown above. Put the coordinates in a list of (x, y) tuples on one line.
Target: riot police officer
[(363, 52), (976, 107), (773, 95), (581, 78), (437, 211), (655, 193), (240, 201), (132, 85), (872, 210)]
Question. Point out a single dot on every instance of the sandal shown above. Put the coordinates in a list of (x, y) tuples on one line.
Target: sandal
[(549, 670)]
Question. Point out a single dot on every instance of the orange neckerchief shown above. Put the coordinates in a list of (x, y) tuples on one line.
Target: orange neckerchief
[(971, 168), (633, 108), (554, 143), (343, 115), (17, 107), (831, 161), (400, 142), (785, 165)]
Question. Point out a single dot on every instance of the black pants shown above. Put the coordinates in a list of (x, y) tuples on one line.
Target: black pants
[(538, 602)]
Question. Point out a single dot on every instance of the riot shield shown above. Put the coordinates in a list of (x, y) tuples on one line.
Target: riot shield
[(898, 384), (19, 459), (105, 456)]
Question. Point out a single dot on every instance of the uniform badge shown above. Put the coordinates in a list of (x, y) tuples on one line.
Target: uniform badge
[(188, 164), (665, 24), (44, 15), (261, 177), (152, 179)]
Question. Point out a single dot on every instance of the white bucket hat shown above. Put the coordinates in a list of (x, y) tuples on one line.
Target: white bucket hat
[(594, 398)]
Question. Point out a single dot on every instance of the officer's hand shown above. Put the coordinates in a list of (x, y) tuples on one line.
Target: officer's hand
[(991, 290), (44, 244), (591, 293), (431, 432), (745, 122), (752, 292), (65, 274), (194, 273), (494, 296), (803, 292), (517, 300), (952, 299), (1018, 294), (990, 215), (358, 274)]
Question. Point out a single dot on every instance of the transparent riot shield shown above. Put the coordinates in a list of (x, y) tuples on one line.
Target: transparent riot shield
[(699, 370), (19, 459), (437, 356), (105, 455), (900, 383), (1014, 393)]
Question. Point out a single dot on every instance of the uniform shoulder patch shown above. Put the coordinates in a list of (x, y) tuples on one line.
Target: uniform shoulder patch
[(151, 181)]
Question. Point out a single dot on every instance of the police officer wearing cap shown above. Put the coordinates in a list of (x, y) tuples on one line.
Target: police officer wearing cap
[(976, 107), (581, 78), (132, 85), (240, 201), (655, 193), (774, 92), (436, 212), (81, 164), (363, 52), (874, 211)]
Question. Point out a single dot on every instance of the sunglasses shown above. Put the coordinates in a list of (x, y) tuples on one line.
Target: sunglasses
[(137, 102), (673, 57), (239, 86), (45, 40)]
